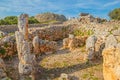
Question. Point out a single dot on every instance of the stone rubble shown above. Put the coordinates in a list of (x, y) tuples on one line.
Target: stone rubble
[(2, 69), (51, 33), (43, 46), (74, 42), (8, 46)]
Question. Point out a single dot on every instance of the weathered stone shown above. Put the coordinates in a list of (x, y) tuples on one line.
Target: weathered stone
[(2, 74), (99, 46), (36, 44), (117, 38), (27, 60), (90, 46), (25, 69), (43, 46), (74, 42), (65, 42), (90, 42), (2, 69), (63, 76), (71, 36), (2, 64), (110, 41), (51, 33), (111, 61), (23, 25), (2, 34), (116, 32)]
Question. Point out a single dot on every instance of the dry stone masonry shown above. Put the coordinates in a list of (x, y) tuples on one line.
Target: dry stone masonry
[(73, 42), (8, 46), (43, 46), (51, 33)]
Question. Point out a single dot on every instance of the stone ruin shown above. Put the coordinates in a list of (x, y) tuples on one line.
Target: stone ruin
[(107, 46), (94, 47), (27, 49), (104, 43), (87, 18), (73, 42), (44, 46), (51, 33), (111, 67)]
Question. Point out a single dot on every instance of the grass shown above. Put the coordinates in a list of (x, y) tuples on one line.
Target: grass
[(49, 22), (1, 36), (85, 76), (81, 32), (11, 34), (70, 59)]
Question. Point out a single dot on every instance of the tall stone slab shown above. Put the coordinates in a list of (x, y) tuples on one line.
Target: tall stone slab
[(26, 59)]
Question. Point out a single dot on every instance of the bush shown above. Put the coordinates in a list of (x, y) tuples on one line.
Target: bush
[(115, 14), (32, 20), (10, 20), (81, 32)]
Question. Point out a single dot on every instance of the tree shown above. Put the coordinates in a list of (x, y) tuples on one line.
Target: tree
[(32, 20), (10, 20), (115, 14)]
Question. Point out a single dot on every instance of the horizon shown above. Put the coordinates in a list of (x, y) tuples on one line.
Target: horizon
[(69, 8)]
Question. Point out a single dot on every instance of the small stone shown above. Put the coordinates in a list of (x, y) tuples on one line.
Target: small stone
[(63, 76)]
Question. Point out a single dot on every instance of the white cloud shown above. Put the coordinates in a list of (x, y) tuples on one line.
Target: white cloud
[(111, 3), (90, 4)]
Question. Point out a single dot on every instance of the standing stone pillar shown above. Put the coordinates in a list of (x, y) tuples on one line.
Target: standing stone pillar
[(23, 25), (90, 47), (26, 59)]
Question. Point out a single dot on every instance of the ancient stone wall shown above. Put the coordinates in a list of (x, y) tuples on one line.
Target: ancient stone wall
[(74, 42), (13, 28), (51, 33), (106, 45)]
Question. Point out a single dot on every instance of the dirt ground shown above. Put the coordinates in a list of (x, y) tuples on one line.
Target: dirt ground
[(62, 61)]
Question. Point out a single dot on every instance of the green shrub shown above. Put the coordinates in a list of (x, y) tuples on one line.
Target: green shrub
[(10, 20), (115, 14), (81, 32), (2, 51)]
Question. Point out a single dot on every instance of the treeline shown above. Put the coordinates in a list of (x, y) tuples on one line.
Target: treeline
[(115, 14), (10, 20)]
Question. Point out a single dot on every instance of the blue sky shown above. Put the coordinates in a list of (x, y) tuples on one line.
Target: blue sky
[(70, 8)]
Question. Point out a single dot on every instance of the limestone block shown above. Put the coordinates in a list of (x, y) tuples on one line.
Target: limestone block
[(36, 44), (111, 61), (110, 41)]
